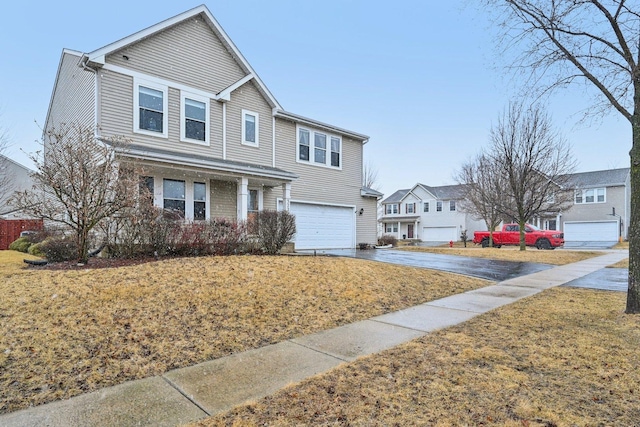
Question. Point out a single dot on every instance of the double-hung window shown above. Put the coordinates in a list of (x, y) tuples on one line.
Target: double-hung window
[(250, 128), (319, 148), (146, 189), (452, 205), (591, 195), (426, 206), (173, 191), (438, 206), (410, 208), (194, 118), (199, 201), (150, 109)]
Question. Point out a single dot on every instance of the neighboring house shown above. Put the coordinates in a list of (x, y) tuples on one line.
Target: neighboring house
[(13, 177), (430, 214), (596, 195), (600, 211), (213, 139)]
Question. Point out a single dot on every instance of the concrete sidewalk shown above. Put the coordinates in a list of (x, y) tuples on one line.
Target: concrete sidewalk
[(193, 393)]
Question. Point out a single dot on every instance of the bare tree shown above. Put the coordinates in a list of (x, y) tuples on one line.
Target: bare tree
[(370, 177), (78, 183), (534, 162), (482, 187), (593, 42)]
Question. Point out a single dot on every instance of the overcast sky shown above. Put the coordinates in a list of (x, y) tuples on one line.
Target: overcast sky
[(422, 78)]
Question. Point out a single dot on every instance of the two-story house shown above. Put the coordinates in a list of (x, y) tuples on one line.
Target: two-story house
[(601, 207), (430, 214), (13, 177), (213, 139)]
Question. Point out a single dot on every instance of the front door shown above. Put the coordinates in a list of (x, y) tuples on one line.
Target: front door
[(409, 231)]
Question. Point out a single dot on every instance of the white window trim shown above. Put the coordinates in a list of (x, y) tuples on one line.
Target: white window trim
[(136, 107), (440, 205), (207, 115), (244, 138), (427, 206), (583, 192), (452, 205), (260, 197), (327, 157), (189, 199)]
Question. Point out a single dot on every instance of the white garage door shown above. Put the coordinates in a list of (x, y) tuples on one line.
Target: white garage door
[(439, 234), (593, 231), (323, 227)]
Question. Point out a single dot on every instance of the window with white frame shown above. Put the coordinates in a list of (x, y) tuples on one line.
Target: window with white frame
[(590, 195), (395, 228), (438, 206), (174, 195), (194, 114), (199, 201), (452, 205), (250, 128), (426, 207), (391, 208), (410, 208), (146, 189), (387, 228), (319, 148), (150, 109)]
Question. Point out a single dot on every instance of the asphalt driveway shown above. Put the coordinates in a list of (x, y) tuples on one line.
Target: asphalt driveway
[(606, 279), (469, 266)]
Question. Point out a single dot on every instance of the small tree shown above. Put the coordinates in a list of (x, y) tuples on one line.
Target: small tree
[(78, 182), (482, 190), (534, 162)]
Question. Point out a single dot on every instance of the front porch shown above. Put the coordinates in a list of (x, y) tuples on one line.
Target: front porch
[(401, 227)]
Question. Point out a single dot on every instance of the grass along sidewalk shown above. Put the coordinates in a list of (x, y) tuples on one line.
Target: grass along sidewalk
[(69, 332), (565, 357)]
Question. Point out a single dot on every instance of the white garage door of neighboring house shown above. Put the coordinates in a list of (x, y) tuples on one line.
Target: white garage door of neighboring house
[(323, 227), (592, 231), (439, 234)]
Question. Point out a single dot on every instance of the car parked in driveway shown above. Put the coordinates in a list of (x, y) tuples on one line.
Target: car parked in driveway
[(510, 235)]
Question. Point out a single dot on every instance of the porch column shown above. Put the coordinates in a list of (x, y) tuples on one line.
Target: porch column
[(415, 229), (399, 231), (243, 196), (286, 196)]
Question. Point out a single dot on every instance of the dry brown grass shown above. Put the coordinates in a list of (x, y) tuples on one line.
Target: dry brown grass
[(69, 332), (566, 357), (509, 253)]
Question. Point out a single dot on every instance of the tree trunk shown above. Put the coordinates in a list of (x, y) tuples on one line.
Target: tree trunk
[(523, 242), (633, 294)]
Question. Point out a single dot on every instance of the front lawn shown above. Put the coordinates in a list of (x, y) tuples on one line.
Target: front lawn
[(565, 357), (73, 331)]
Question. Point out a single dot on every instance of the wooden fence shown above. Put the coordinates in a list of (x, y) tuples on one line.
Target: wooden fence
[(10, 229)]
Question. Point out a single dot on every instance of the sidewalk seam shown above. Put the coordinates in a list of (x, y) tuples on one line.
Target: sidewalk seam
[(174, 386), (318, 351)]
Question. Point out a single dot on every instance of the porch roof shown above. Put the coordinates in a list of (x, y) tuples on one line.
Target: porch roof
[(399, 218), (204, 162)]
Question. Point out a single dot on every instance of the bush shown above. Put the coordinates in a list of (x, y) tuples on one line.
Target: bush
[(58, 249), (21, 245), (273, 229), (36, 250), (388, 239)]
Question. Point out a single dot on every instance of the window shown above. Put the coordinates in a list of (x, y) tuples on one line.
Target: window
[(320, 148), (591, 195), (438, 206), (327, 149), (410, 208), (335, 151), (395, 228), (452, 205), (174, 195), (252, 202), (552, 224), (303, 144), (391, 208), (199, 201), (388, 228), (426, 206), (194, 113), (250, 128), (150, 109)]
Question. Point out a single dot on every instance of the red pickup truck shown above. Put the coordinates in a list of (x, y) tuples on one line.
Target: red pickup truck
[(510, 235)]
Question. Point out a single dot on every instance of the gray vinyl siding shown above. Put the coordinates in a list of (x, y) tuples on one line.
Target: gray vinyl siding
[(224, 199), (614, 197), (73, 100), (317, 183), (117, 104), (367, 223), (189, 53), (247, 97)]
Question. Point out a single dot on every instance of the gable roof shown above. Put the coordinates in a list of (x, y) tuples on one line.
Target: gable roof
[(98, 56), (445, 192), (397, 196), (606, 178)]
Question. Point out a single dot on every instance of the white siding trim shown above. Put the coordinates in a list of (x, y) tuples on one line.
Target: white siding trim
[(136, 107), (207, 139), (256, 116)]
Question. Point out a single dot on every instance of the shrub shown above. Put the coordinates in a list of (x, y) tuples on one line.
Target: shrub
[(36, 250), (58, 249), (388, 239), (273, 229), (21, 245)]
